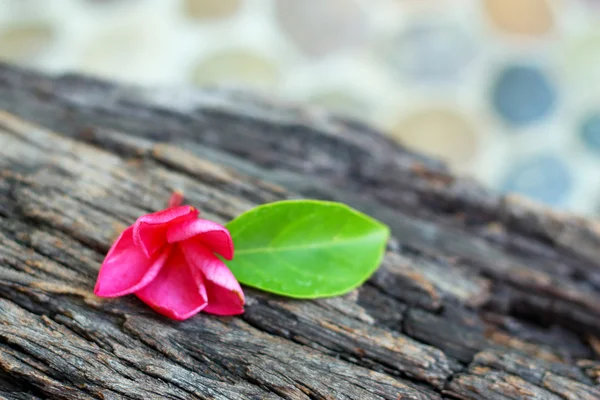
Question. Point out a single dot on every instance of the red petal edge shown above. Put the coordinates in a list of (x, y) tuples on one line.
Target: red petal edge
[(225, 295), (149, 231), (126, 268), (208, 233), (175, 292)]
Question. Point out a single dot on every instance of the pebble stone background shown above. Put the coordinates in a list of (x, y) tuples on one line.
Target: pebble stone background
[(506, 91)]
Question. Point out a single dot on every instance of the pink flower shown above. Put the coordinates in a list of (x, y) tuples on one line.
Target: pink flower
[(167, 259)]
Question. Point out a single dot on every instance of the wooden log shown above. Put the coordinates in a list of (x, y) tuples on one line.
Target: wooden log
[(479, 296)]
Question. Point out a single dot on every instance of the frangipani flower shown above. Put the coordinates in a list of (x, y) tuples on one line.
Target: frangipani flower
[(167, 260)]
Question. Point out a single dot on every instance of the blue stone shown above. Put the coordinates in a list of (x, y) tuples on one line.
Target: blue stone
[(589, 131), (432, 53), (545, 178), (523, 95)]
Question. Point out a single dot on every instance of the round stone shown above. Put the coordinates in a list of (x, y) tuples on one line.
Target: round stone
[(20, 43), (342, 103), (589, 131), (522, 17), (320, 27), (210, 9), (132, 51), (544, 178), (236, 67), (581, 57), (522, 95), (432, 52), (443, 133)]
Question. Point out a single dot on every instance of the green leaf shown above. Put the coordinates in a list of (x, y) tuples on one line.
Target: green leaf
[(306, 248)]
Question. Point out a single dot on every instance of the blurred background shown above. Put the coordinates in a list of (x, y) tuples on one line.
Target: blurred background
[(506, 91)]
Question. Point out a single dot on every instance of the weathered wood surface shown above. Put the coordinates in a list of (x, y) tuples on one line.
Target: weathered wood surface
[(479, 297)]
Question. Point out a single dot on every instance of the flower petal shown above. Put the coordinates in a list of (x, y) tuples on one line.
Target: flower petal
[(212, 235), (126, 268), (175, 292), (176, 199), (225, 296), (149, 231)]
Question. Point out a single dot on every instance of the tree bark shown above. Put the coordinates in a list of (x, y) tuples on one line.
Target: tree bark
[(479, 296)]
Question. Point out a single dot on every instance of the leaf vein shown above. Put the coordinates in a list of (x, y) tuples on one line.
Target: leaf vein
[(332, 243)]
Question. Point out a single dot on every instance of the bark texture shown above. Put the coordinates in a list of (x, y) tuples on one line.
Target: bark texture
[(479, 296)]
